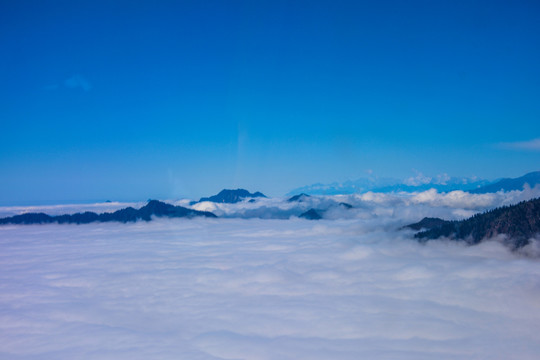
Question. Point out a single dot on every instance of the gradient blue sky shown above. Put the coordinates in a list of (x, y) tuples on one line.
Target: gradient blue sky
[(135, 100)]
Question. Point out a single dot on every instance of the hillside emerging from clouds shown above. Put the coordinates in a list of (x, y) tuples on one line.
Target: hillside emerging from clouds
[(129, 214), (469, 220), (519, 223)]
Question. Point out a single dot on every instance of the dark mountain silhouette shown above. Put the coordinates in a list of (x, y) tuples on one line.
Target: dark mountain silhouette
[(532, 179), (232, 196), (29, 218), (129, 214), (298, 198), (427, 223), (519, 222), (345, 205), (311, 214)]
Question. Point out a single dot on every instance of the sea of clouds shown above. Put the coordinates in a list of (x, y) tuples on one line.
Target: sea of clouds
[(352, 286), (403, 207)]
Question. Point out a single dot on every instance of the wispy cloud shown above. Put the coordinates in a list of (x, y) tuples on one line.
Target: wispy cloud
[(77, 81), (417, 180), (530, 145)]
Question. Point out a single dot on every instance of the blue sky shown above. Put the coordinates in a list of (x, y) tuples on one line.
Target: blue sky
[(135, 100)]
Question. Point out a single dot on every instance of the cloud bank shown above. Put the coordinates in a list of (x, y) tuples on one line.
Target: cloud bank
[(262, 289), (402, 207)]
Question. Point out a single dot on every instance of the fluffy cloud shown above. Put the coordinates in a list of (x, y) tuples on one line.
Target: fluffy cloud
[(261, 289), (417, 180), (402, 207)]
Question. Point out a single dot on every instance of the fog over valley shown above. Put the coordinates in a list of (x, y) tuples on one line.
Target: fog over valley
[(261, 283), (270, 180)]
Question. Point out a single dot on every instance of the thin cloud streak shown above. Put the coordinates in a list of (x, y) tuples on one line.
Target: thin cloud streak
[(530, 145), (77, 81)]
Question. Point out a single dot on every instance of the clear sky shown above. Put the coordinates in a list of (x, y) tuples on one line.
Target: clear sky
[(166, 99)]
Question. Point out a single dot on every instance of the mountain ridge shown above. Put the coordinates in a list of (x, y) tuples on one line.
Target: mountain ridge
[(520, 222), (442, 183), (509, 184), (129, 214)]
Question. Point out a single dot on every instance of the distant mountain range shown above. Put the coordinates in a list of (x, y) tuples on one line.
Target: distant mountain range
[(441, 183), (519, 222), (129, 214), (457, 184), (232, 196), (531, 179), (387, 185), (347, 187), (302, 205)]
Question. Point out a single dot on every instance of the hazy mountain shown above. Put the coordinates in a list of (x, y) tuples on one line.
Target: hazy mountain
[(507, 184), (232, 196), (311, 214), (345, 205), (153, 208), (347, 187), (427, 223), (519, 222), (442, 183), (463, 184), (298, 198)]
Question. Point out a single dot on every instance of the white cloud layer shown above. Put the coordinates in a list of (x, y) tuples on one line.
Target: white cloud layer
[(265, 289), (402, 207)]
